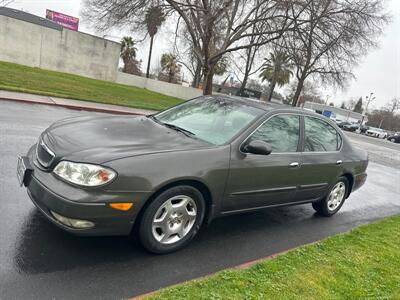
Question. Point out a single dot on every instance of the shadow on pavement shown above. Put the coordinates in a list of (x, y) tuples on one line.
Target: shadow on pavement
[(43, 247)]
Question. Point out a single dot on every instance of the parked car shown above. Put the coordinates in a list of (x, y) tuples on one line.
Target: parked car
[(167, 174), (376, 132), (342, 124), (394, 138), (351, 127)]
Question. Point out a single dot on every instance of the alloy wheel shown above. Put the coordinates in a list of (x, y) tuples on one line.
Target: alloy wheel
[(336, 195), (174, 219)]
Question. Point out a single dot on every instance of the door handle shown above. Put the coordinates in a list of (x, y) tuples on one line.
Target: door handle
[(294, 164), (339, 162)]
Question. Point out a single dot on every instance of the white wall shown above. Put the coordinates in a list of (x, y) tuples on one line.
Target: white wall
[(170, 89), (59, 50)]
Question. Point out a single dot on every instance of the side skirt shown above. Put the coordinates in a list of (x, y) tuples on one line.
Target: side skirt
[(231, 212)]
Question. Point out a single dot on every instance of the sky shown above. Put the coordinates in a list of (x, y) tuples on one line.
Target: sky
[(378, 72)]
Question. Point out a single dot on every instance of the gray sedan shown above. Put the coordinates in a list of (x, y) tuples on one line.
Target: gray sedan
[(163, 176)]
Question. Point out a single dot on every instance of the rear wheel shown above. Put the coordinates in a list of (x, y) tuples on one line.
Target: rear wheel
[(331, 204), (392, 140), (172, 219)]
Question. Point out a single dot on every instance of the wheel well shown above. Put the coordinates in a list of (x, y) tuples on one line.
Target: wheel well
[(350, 178), (203, 189)]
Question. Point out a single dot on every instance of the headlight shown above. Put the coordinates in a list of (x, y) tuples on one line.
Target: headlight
[(84, 174)]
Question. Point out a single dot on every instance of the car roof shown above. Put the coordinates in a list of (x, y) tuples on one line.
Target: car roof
[(264, 105)]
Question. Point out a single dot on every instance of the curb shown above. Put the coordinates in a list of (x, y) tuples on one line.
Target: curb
[(242, 266), (75, 107)]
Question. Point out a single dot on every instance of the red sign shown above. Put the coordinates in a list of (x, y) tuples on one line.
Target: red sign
[(63, 20)]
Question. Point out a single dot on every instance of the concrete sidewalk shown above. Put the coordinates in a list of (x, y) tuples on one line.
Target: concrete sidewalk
[(72, 104)]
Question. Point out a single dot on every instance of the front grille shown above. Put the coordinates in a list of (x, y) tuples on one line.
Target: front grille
[(44, 155)]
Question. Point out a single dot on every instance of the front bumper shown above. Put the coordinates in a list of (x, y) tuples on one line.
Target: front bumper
[(50, 194)]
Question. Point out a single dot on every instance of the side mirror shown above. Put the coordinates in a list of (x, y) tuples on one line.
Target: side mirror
[(258, 147)]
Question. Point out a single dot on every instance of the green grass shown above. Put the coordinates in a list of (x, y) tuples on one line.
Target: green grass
[(25, 79), (361, 264)]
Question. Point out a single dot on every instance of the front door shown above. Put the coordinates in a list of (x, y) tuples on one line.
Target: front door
[(256, 181)]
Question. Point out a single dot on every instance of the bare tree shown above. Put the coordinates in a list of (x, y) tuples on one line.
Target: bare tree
[(393, 105), (332, 38), (215, 27), (309, 93)]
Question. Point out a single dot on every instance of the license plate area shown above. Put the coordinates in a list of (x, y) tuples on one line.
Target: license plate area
[(23, 170)]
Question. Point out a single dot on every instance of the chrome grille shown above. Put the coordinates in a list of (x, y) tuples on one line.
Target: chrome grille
[(44, 155)]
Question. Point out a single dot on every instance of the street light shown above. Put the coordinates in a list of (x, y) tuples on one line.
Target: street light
[(369, 99)]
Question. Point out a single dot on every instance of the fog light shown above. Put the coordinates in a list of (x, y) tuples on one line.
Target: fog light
[(80, 224)]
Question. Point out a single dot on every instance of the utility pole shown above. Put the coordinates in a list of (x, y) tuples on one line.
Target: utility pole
[(327, 98), (369, 99)]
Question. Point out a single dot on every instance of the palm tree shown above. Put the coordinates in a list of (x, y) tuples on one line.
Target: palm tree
[(276, 70), (170, 65), (153, 19), (128, 51)]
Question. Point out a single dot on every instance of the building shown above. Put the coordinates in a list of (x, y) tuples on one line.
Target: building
[(33, 41), (336, 113)]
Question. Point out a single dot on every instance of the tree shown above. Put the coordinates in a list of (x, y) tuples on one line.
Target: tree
[(309, 93), (170, 66), (334, 35), (358, 107), (153, 19), (276, 70), (385, 119), (247, 59), (215, 27), (393, 105), (352, 103), (128, 55)]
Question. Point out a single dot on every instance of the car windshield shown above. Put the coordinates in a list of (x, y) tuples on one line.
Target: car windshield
[(375, 129), (214, 120)]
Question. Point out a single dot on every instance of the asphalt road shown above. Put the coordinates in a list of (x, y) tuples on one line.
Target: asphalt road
[(39, 261)]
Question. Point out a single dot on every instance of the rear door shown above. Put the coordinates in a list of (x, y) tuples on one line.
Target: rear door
[(321, 162), (265, 180)]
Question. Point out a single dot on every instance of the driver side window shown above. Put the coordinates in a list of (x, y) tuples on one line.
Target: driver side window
[(282, 132)]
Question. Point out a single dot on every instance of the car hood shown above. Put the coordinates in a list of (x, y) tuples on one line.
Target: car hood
[(103, 138)]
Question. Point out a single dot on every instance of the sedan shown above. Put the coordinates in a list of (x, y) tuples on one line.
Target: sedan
[(342, 124), (394, 138), (350, 127), (376, 132), (163, 176)]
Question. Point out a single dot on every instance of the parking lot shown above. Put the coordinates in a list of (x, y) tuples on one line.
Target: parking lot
[(38, 260), (380, 151)]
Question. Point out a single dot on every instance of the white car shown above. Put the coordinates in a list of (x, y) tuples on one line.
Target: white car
[(376, 132)]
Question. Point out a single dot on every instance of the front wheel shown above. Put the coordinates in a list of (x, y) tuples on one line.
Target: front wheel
[(331, 204), (172, 219)]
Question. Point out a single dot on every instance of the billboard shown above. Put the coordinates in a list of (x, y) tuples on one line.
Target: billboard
[(65, 21)]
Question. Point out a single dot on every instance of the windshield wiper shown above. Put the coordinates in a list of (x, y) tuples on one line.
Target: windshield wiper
[(154, 119), (180, 129), (172, 126)]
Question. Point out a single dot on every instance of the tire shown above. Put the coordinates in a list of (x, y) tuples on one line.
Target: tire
[(172, 219), (329, 206), (393, 140)]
